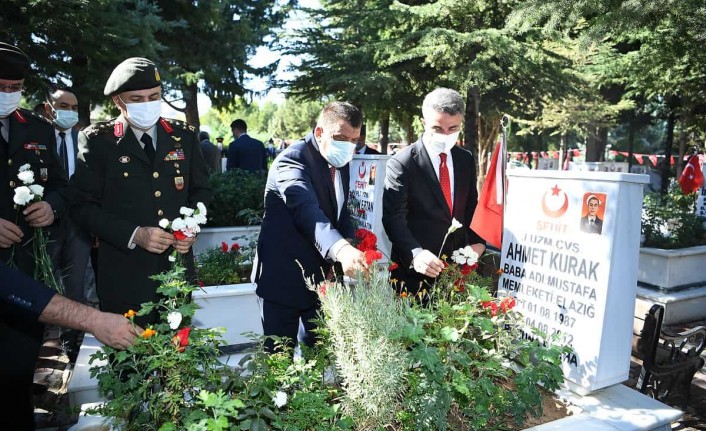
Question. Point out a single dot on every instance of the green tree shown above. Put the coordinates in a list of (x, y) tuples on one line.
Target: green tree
[(79, 42), (221, 36)]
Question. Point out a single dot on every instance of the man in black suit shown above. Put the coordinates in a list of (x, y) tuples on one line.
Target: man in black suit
[(427, 185), (70, 245), (245, 152), (591, 223), (133, 171), (26, 138), (361, 147), (306, 224)]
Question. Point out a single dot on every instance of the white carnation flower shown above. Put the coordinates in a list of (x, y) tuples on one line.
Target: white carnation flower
[(465, 256), (200, 219), (164, 223), (455, 225), (201, 209), (25, 167), (27, 177), (37, 190), (190, 222), (174, 319), (186, 211), (280, 399), (178, 224), (23, 195), (172, 258)]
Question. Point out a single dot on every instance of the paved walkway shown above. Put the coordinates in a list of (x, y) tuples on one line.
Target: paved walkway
[(53, 413)]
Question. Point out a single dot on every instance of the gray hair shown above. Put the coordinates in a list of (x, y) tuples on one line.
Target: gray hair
[(443, 100)]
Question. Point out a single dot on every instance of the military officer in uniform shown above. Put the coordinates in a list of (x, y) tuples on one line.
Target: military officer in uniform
[(131, 172), (25, 138)]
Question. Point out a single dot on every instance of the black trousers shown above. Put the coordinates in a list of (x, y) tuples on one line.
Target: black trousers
[(20, 343), (294, 324)]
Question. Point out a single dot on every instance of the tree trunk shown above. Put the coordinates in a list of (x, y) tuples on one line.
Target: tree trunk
[(668, 152), (489, 128), (471, 121), (682, 148), (631, 142), (191, 110), (384, 131), (80, 90)]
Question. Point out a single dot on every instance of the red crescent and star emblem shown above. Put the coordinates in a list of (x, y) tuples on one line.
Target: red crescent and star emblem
[(364, 169), (555, 202)]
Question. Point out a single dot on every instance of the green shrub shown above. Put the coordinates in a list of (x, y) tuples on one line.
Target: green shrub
[(225, 264), (671, 222), (238, 198)]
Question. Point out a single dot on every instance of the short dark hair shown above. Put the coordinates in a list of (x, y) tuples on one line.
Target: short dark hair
[(203, 135), (239, 124), (52, 89), (341, 111)]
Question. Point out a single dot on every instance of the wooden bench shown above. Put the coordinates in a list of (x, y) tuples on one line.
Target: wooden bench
[(669, 359)]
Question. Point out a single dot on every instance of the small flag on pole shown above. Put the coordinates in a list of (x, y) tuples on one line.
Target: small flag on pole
[(692, 178)]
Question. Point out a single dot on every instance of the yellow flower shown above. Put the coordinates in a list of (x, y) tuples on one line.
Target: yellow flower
[(130, 313), (148, 333)]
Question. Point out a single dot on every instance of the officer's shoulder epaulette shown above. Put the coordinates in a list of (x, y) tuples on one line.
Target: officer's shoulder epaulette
[(31, 114), (99, 128), (180, 124)]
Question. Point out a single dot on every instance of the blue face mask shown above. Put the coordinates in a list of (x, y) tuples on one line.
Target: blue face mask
[(339, 153)]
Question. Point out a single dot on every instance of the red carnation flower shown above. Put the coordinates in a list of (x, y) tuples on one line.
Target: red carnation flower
[(493, 307), (179, 235), (361, 233), (235, 247), (393, 266), (181, 339), (201, 283), (507, 304), (372, 255), (224, 247)]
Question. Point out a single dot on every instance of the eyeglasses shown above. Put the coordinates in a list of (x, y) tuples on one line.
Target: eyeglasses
[(12, 88)]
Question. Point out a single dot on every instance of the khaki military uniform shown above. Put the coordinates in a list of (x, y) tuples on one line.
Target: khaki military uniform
[(115, 189)]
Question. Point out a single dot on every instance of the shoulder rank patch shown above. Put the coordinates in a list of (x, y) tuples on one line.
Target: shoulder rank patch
[(180, 124), (99, 128)]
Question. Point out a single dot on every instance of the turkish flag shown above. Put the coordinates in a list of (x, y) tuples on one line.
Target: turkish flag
[(488, 217), (691, 178)]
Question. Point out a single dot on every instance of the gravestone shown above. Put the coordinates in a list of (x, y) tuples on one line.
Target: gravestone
[(574, 279), (367, 183)]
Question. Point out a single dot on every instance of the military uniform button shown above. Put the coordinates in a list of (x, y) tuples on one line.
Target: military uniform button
[(155, 174), (178, 171), (12, 184), (176, 165), (157, 194), (125, 174), (160, 213), (9, 162)]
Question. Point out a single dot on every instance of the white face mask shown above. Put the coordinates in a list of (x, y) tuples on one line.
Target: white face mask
[(440, 143), (145, 114), (9, 102), (65, 118)]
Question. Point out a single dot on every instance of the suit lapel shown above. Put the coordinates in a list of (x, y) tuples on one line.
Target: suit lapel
[(424, 161), (461, 182), (323, 184), (74, 136), (129, 143), (18, 135), (166, 142)]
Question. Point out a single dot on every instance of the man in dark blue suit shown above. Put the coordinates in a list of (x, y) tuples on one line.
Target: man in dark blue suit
[(306, 224), (427, 185), (26, 300), (245, 152), (70, 245)]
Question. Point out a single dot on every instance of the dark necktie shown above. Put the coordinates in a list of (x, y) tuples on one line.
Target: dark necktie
[(149, 148), (63, 154), (333, 175), (445, 181)]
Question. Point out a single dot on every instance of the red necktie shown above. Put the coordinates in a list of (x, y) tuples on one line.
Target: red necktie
[(332, 169), (445, 181)]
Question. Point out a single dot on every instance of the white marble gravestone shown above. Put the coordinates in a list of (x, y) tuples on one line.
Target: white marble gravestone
[(572, 278)]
